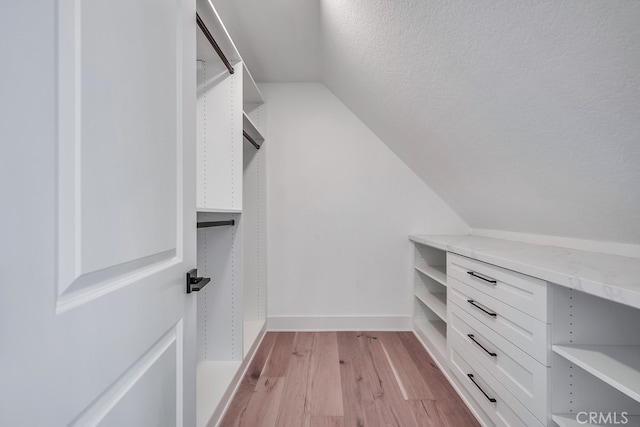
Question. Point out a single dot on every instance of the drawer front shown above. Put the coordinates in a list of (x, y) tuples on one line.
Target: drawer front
[(525, 332), (519, 373), (506, 410), (525, 293)]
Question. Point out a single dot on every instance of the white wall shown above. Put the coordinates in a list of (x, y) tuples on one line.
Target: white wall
[(340, 207)]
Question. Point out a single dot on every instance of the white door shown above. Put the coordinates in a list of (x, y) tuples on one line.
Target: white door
[(97, 212)]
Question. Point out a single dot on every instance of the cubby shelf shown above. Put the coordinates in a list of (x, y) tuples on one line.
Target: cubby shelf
[(249, 127), (436, 272), (219, 210), (435, 301), (250, 93), (616, 365), (434, 332)]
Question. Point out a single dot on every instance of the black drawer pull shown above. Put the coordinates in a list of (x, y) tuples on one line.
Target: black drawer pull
[(475, 304), (477, 276), (472, 338), (490, 399)]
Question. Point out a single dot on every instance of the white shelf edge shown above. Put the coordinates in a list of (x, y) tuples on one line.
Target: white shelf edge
[(251, 332), (569, 420), (427, 241), (433, 303), (434, 273), (249, 127), (219, 210), (616, 365), (213, 381), (216, 27), (250, 92)]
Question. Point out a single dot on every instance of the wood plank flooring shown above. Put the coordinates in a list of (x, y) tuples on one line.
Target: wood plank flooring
[(345, 379)]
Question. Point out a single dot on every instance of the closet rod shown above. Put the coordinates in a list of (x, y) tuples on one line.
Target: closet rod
[(213, 43), (251, 140), (216, 223)]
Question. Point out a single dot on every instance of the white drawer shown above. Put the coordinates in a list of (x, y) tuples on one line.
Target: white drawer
[(525, 293), (525, 332), (505, 410), (519, 373)]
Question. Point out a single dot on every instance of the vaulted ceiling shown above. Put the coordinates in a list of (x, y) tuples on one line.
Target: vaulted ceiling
[(523, 116)]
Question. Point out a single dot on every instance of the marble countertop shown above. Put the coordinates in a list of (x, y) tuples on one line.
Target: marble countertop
[(611, 277)]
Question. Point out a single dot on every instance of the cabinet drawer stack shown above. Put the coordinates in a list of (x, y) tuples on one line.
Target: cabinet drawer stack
[(498, 340)]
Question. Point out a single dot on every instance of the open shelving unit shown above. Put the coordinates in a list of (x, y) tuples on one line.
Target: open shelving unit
[(430, 298), (230, 186), (596, 360)]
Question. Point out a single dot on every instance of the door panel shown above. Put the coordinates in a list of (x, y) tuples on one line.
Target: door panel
[(99, 226), (140, 396), (119, 143)]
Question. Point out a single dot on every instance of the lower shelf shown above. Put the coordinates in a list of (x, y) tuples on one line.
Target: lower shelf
[(252, 330), (213, 381), (582, 420), (434, 332), (616, 365)]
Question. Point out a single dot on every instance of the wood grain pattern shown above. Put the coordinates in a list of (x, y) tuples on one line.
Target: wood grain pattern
[(340, 379), (278, 362), (264, 405), (322, 421), (355, 371), (391, 407), (324, 377), (450, 407), (413, 385), (292, 412), (239, 403)]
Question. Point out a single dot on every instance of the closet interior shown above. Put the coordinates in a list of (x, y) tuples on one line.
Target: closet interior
[(231, 215)]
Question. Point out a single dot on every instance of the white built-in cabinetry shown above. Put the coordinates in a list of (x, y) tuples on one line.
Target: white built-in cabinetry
[(430, 299), (535, 335), (231, 186)]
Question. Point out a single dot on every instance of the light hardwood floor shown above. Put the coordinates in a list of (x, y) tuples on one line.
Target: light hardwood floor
[(345, 379)]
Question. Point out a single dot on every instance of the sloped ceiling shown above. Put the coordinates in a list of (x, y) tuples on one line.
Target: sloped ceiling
[(523, 116)]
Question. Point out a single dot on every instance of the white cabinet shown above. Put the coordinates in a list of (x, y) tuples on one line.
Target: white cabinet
[(230, 180), (549, 335), (496, 338), (430, 299), (596, 360)]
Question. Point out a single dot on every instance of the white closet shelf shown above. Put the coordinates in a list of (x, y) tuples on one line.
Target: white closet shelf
[(213, 378), (219, 210), (616, 365), (436, 272), (250, 93), (252, 330), (249, 127), (214, 24), (435, 301), (435, 333), (569, 420)]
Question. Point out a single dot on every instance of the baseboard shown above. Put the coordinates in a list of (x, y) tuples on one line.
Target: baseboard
[(340, 323)]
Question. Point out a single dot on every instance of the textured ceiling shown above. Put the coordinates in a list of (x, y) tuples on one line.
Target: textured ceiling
[(523, 116)]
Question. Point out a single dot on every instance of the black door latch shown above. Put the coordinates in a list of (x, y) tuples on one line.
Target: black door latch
[(195, 283)]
